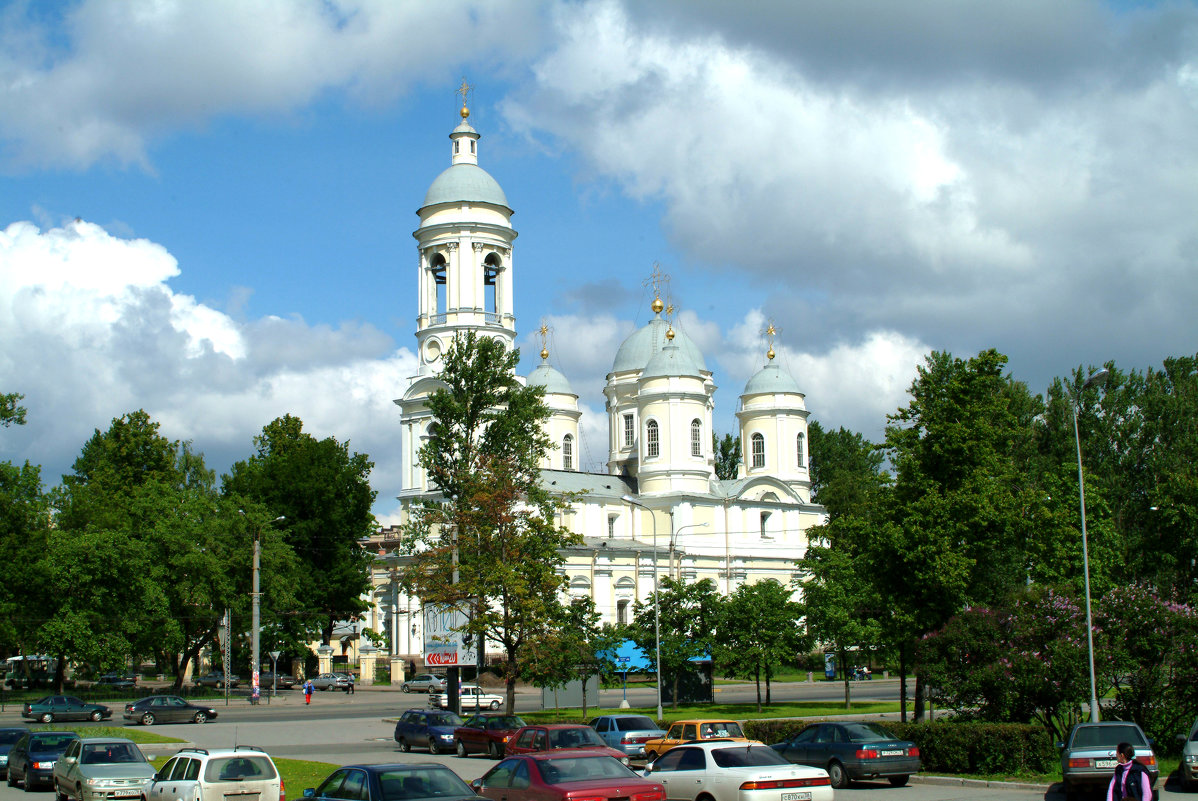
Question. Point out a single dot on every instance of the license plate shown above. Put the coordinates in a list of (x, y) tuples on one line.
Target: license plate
[(892, 753), (125, 793), (1105, 763), (805, 796)]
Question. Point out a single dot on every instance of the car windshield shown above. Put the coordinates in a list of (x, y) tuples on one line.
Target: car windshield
[(573, 738), (399, 784), (11, 736), (1107, 735), (581, 769), (505, 722), (239, 768), (635, 724), (747, 757), (52, 742), (109, 753), (722, 728), (444, 719), (866, 732)]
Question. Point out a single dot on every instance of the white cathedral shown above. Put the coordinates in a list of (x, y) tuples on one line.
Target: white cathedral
[(659, 507)]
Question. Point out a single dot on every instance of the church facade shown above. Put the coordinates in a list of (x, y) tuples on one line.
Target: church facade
[(659, 509)]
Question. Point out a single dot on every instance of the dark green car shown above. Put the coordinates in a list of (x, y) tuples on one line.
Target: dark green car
[(64, 707)]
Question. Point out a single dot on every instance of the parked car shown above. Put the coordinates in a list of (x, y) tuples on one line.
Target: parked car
[(557, 776), (426, 728), (198, 774), (281, 681), (330, 681), (471, 696), (166, 709), (31, 759), (424, 683), (1088, 754), (852, 751), (560, 737), (8, 738), (63, 707), (487, 734), (102, 768), (627, 732), (397, 782), (216, 678), (117, 681), (734, 771), (1189, 758), (685, 731)]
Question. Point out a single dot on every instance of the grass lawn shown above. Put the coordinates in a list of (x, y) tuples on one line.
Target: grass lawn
[(798, 709), (139, 735)]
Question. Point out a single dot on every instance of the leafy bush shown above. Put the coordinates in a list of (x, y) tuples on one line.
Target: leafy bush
[(1008, 749)]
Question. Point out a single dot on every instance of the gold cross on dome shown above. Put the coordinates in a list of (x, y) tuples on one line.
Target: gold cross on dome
[(656, 280), (464, 90), (770, 332), (544, 332)]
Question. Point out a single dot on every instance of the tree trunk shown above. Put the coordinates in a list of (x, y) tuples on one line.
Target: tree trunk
[(510, 680), (60, 671), (848, 687), (768, 675), (903, 682), (677, 676), (757, 671), (919, 693)]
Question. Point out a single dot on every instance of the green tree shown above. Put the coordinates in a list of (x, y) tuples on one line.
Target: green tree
[(492, 523), (570, 649), (846, 471), (323, 492), (760, 629), (24, 541), (11, 412), (688, 626), (727, 456)]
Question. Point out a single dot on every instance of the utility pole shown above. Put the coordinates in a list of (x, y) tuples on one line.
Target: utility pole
[(255, 599)]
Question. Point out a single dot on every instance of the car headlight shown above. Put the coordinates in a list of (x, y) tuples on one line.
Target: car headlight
[(625, 760), (1191, 758), (105, 783)]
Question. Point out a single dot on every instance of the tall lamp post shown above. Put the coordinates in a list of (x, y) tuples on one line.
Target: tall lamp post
[(656, 618), (1093, 380), (255, 597), (674, 538)]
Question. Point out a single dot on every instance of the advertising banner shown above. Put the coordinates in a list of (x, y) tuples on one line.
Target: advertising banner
[(443, 637)]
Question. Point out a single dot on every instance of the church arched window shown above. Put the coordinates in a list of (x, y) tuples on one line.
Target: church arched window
[(696, 437), (437, 266), (491, 268), (652, 442), (800, 442), (568, 452), (758, 450)]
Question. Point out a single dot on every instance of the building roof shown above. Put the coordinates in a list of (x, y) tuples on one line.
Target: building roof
[(671, 361), (770, 379), (602, 484), (644, 343), (465, 183), (551, 379)]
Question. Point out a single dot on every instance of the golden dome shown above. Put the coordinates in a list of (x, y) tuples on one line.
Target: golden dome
[(770, 355), (544, 353), (658, 305), (465, 112), (670, 333)]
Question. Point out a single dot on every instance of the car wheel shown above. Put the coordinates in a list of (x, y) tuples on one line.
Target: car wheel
[(461, 749), (59, 795), (79, 792), (899, 781), (404, 745), (201, 717), (47, 717), (28, 783), (147, 719), (840, 779), (96, 716), (493, 750), (406, 689), (1070, 791), (11, 779), (495, 705), (432, 747)]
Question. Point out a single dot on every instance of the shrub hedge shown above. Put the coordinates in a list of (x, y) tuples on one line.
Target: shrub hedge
[(988, 749)]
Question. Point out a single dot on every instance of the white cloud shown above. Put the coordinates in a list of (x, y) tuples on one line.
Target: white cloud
[(92, 330)]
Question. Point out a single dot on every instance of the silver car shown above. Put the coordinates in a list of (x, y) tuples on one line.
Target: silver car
[(330, 681), (627, 732), (1088, 756), (1189, 758), (96, 768), (424, 683)]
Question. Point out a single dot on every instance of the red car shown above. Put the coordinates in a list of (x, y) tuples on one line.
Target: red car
[(561, 736), (486, 734), (565, 776)]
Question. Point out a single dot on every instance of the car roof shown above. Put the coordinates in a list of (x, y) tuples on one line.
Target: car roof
[(723, 742), (704, 720), (556, 726), (568, 753), (379, 768), (94, 740)]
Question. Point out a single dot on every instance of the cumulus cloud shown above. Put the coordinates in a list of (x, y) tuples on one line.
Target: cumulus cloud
[(101, 83), (92, 330)]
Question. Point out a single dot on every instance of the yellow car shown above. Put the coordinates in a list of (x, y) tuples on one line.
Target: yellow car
[(698, 729)]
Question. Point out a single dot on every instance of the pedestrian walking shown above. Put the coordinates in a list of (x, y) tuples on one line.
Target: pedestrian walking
[(308, 691), (349, 685), (1131, 779)]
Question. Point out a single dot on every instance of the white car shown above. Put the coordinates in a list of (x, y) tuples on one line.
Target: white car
[(196, 774), (732, 771), (471, 697), (96, 768)]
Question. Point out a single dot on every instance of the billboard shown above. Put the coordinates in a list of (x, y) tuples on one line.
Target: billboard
[(443, 637)]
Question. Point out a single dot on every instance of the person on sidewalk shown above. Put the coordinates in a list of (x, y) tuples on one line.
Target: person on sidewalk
[(349, 685), (308, 691), (1131, 779)]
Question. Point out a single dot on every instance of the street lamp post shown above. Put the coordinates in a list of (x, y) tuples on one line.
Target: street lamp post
[(255, 596), (1093, 380), (674, 538), (656, 612)]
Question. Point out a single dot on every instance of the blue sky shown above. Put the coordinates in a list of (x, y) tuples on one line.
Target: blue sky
[(208, 207)]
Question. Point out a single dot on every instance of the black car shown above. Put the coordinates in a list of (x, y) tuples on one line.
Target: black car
[(31, 760), (64, 707), (851, 751), (267, 680), (118, 681), (217, 679), (166, 709), (8, 738), (401, 782)]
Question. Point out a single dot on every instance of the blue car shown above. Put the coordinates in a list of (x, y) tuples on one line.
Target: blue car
[(8, 738), (31, 759), (426, 728), (627, 732)]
